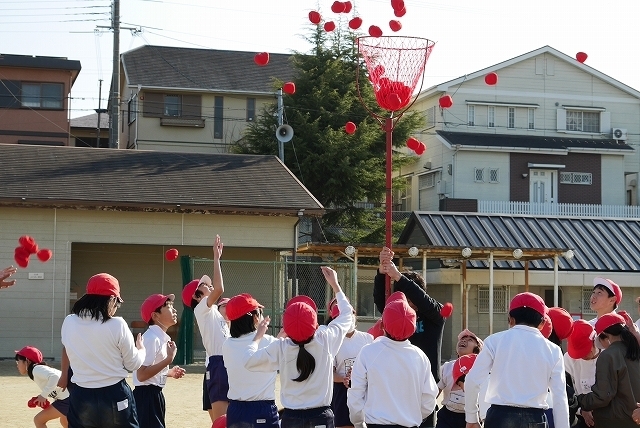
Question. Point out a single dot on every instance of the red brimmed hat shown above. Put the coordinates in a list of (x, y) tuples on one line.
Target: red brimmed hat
[(191, 287), (611, 286), (241, 305), (547, 327), (607, 320), (152, 303), (529, 300), (581, 339), (300, 321), (562, 322), (376, 329), (462, 366), (304, 299), (31, 353), (398, 319), (223, 301), (104, 284)]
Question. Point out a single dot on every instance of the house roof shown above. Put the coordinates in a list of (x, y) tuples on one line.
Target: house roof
[(208, 69), (598, 244), (511, 142), (139, 180), (48, 62), (91, 121)]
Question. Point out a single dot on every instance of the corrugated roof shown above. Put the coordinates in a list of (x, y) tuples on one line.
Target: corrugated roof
[(173, 67), (599, 244), (150, 180)]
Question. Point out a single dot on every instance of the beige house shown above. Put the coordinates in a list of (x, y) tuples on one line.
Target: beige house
[(194, 100), (90, 131)]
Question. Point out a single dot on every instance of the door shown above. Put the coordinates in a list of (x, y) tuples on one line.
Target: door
[(543, 186)]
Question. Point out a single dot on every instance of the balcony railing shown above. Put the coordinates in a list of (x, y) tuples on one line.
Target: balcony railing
[(572, 210)]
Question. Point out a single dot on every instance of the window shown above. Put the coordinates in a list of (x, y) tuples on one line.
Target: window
[(532, 117), (42, 95), (471, 115), (405, 196), (173, 105), (491, 117), (132, 109), (425, 182), (511, 117), (585, 121), (576, 178), (500, 299), (478, 175), (218, 119), (251, 109), (494, 176), (430, 117)]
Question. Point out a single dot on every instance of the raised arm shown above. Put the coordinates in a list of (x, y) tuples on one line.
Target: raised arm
[(386, 255), (6, 273), (218, 285), (426, 305)]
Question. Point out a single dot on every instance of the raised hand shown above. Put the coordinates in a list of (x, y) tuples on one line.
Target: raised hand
[(6, 273), (217, 248), (172, 349)]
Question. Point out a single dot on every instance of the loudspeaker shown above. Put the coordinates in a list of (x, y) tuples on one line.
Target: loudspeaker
[(284, 133)]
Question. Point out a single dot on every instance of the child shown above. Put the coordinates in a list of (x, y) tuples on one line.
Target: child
[(201, 296), (523, 366), (391, 381), (580, 362), (304, 358), (30, 362), (157, 311)]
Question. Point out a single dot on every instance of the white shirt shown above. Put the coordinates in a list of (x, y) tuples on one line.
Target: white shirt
[(452, 394), (583, 373), (213, 328), (155, 342), (100, 354), (317, 389), (47, 379), (351, 346), (391, 383), (524, 366), (245, 385), (638, 323)]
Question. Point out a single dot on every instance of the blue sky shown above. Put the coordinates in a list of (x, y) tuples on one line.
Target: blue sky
[(470, 34)]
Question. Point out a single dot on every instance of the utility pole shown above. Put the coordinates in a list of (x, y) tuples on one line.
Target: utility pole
[(280, 122), (115, 80), (99, 110)]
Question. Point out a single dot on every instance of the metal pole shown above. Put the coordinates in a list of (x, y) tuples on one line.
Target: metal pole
[(115, 81), (99, 113), (491, 292), (280, 121), (555, 280), (388, 127)]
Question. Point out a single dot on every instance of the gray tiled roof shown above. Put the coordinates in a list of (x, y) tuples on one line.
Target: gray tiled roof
[(173, 67), (91, 121), (599, 244), (150, 180)]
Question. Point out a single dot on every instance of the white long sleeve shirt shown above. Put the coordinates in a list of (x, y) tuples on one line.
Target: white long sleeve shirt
[(452, 394), (213, 328), (351, 346), (100, 354), (47, 379), (524, 366), (245, 385), (391, 383), (317, 389), (155, 343)]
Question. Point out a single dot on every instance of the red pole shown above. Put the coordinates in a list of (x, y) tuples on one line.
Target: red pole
[(388, 125)]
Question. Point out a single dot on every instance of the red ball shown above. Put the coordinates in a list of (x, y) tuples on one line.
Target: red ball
[(329, 26), (393, 101), (375, 31), (581, 56), (44, 255), (413, 143), (447, 310), (314, 17), (28, 243), (221, 422), (347, 7), (400, 12), (397, 4), (395, 25), (261, 58), (350, 128), (171, 254), (421, 149), (289, 88), (21, 256), (337, 7), (491, 78), (355, 23), (445, 101)]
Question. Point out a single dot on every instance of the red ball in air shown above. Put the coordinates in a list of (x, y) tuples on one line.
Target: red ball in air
[(445, 101), (337, 7), (581, 56), (421, 149), (261, 58), (289, 88), (347, 7), (350, 128), (355, 23), (28, 243), (44, 255), (447, 310), (491, 78), (393, 101), (395, 25), (400, 12), (413, 143), (329, 26), (375, 31), (21, 256), (171, 254), (397, 4), (314, 17)]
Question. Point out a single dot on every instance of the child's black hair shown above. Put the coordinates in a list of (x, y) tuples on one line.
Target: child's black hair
[(94, 306), (609, 292), (158, 310), (31, 364), (630, 341), (417, 278), (195, 302), (305, 363), (244, 324), (462, 378), (526, 316)]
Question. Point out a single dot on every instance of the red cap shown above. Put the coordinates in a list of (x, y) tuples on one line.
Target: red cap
[(152, 303), (547, 327), (191, 287), (376, 329), (611, 286), (220, 422), (463, 365), (581, 339), (300, 321), (241, 305), (304, 299), (31, 353), (335, 311), (223, 301), (562, 322), (104, 284), (529, 300), (398, 319), (607, 320), (395, 296)]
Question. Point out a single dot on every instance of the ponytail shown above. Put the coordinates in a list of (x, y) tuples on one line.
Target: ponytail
[(305, 363)]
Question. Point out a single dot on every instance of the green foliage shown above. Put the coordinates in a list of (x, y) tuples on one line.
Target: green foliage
[(337, 168)]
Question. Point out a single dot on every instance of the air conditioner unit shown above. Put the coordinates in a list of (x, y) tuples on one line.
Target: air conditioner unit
[(619, 134)]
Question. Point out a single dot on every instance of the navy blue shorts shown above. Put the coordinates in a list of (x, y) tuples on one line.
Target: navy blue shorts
[(307, 418), (112, 406), (61, 405), (449, 419), (339, 405), (216, 379), (150, 405), (508, 416), (262, 413)]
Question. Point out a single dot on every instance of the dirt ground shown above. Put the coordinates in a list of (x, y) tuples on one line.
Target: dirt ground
[(183, 396)]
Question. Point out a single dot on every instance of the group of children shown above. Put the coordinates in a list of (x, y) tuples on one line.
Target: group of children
[(336, 376)]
